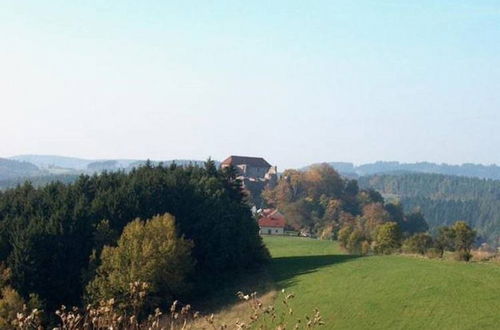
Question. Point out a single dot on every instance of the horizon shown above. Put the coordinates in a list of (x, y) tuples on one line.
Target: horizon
[(13, 157), (294, 83)]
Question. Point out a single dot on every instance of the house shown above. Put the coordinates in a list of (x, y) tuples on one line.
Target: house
[(248, 167), (255, 174), (272, 222)]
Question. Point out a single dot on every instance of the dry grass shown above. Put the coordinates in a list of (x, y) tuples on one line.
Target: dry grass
[(234, 314), (479, 255)]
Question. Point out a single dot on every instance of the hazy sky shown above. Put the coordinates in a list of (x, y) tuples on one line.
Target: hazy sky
[(294, 81)]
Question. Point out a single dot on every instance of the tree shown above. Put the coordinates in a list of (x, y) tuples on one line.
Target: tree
[(388, 238), (11, 303), (418, 243), (355, 242), (445, 240), (148, 252), (464, 238), (344, 234), (414, 223), (374, 215)]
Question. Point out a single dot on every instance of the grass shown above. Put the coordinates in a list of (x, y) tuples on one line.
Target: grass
[(385, 292)]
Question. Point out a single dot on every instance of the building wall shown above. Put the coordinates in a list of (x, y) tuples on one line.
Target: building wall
[(271, 231), (256, 172)]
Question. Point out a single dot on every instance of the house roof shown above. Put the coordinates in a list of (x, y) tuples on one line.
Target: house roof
[(274, 219), (241, 160)]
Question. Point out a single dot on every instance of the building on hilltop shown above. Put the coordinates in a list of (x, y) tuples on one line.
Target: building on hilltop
[(248, 167), (255, 173), (272, 222)]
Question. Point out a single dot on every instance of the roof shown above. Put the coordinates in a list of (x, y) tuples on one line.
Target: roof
[(243, 160), (274, 219)]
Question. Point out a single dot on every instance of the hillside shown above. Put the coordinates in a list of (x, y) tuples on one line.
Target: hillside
[(381, 167), (384, 292), (10, 169), (444, 199)]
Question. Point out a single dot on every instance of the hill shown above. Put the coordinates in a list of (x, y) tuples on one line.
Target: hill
[(444, 199), (467, 170), (46, 161), (384, 292), (10, 169)]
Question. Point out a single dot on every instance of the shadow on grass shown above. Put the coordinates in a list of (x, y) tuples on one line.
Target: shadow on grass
[(280, 273), (285, 269), (224, 294)]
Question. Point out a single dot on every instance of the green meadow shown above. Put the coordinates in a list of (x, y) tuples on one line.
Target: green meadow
[(384, 292)]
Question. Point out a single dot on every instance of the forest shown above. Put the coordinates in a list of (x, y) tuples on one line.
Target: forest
[(444, 199), (62, 243)]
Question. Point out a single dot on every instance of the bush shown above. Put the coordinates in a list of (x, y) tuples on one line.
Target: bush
[(387, 238), (147, 252)]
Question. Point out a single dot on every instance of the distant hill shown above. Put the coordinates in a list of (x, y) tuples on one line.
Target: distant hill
[(38, 181), (445, 199), (46, 161), (42, 169), (82, 164), (468, 170), (105, 165), (10, 169)]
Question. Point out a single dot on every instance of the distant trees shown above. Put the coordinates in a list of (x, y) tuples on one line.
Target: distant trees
[(329, 206), (443, 199)]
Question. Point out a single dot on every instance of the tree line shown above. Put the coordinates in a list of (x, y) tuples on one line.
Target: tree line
[(444, 199), (329, 206)]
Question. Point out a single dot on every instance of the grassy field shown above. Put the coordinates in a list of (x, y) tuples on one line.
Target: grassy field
[(385, 292)]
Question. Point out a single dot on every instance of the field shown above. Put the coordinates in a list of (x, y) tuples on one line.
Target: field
[(384, 292)]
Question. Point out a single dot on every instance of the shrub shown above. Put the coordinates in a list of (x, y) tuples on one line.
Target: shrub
[(387, 238), (149, 252)]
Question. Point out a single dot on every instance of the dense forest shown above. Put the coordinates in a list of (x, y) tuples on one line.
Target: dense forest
[(52, 236), (444, 199)]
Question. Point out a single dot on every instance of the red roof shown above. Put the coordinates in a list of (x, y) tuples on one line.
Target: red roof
[(273, 219)]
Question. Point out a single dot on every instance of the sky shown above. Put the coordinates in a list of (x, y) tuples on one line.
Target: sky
[(296, 82)]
